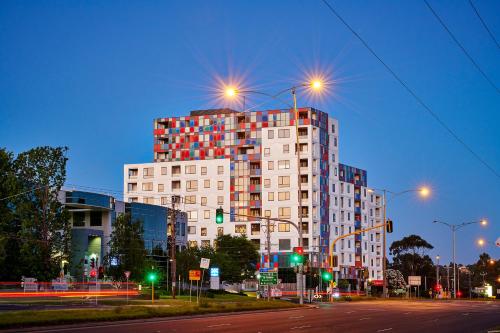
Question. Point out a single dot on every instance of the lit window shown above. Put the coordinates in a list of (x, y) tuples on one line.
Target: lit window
[(283, 227), (220, 185), (206, 183), (284, 181), (270, 165), (161, 187), (191, 185), (203, 201), (282, 196), (240, 228), (270, 196), (147, 186), (206, 214), (284, 164)]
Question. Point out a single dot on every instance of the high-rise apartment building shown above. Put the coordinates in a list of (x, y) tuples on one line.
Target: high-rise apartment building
[(246, 163)]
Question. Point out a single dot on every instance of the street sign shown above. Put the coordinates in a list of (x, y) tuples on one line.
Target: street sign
[(127, 274), (205, 263), (215, 282), (195, 275), (268, 278), (415, 280), (214, 272)]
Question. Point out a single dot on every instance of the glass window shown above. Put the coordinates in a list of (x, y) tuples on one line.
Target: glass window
[(176, 170), (284, 212), (206, 183), (176, 184), (220, 231), (220, 200), (240, 228), (283, 227), (163, 170), (147, 186), (267, 182), (220, 170), (203, 231), (192, 215), (220, 185), (284, 164), (190, 169), (132, 187), (284, 181), (205, 243), (267, 151), (286, 149), (190, 199), (203, 171), (203, 201), (192, 230), (161, 187), (282, 196), (283, 133), (284, 244), (78, 219), (267, 213), (148, 172), (270, 165), (206, 214), (270, 196), (132, 173)]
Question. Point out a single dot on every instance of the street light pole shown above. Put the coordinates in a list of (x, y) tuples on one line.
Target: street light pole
[(437, 271), (384, 262)]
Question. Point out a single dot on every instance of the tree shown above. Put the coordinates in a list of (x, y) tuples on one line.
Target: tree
[(127, 248), (395, 279), (237, 258), (42, 221), (409, 256), (485, 271)]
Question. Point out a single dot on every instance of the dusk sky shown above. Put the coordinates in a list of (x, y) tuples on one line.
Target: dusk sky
[(92, 75)]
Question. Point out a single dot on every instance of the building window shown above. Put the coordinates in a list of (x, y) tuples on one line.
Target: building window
[(132, 173), (284, 244), (283, 133), (164, 201), (148, 200), (192, 215), (220, 170), (266, 151), (270, 196), (148, 172), (267, 213), (205, 243), (203, 171), (206, 183), (333, 128), (203, 231), (220, 185), (270, 134), (192, 230), (163, 171), (270, 165), (176, 170), (286, 149), (240, 228), (282, 196), (132, 187), (190, 169), (284, 181), (267, 182), (284, 212), (193, 243), (79, 219), (220, 200), (255, 229), (176, 184), (190, 199), (203, 201), (283, 227), (147, 186), (220, 231), (161, 187), (284, 164), (133, 199), (206, 215), (191, 185)]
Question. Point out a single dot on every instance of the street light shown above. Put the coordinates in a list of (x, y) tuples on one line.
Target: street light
[(424, 192), (454, 228)]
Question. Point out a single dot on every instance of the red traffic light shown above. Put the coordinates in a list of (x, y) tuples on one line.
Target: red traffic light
[(298, 250)]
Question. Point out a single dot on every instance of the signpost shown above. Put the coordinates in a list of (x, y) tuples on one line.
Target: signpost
[(415, 280), (214, 278), (268, 278), (127, 275), (204, 264), (194, 275)]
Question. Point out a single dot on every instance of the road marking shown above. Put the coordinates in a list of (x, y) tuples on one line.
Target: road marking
[(406, 313), (364, 318), (348, 312), (295, 317), (465, 313), (385, 329), (300, 327), (218, 325)]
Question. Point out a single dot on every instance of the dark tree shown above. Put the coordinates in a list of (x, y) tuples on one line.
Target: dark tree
[(409, 256), (237, 258)]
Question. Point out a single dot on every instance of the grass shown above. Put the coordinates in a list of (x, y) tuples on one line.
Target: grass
[(138, 309)]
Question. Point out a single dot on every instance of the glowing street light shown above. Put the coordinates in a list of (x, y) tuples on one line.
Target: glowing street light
[(484, 222), (316, 85), (231, 92), (481, 242), (424, 192)]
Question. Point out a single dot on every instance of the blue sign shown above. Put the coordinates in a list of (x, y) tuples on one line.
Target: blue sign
[(214, 271)]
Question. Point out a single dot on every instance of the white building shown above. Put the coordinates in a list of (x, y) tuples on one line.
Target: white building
[(246, 163)]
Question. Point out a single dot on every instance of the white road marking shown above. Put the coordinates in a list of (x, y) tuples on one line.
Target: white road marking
[(385, 329), (466, 314), (299, 327), (364, 318), (295, 317), (407, 313), (348, 312), (218, 325)]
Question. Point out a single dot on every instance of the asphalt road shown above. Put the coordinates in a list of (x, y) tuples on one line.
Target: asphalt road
[(373, 316)]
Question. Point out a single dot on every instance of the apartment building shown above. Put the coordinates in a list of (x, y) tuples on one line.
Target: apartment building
[(247, 164)]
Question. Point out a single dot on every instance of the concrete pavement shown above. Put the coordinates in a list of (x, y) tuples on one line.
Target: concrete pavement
[(372, 316)]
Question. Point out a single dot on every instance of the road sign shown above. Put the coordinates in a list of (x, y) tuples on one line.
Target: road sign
[(195, 275), (205, 263), (214, 272), (414, 280), (268, 278), (127, 274)]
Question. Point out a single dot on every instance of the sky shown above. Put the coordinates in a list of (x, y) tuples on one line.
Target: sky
[(92, 75)]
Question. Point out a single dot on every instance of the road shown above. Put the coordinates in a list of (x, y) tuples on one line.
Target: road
[(373, 316)]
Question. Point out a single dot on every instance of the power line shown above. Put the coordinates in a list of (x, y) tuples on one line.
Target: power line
[(484, 24), (412, 93), (461, 46)]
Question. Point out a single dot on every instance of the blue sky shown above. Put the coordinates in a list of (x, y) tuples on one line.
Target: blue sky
[(93, 75)]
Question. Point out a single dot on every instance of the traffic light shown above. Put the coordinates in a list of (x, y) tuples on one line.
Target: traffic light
[(389, 226), (152, 277), (327, 276), (92, 262), (219, 215), (297, 256)]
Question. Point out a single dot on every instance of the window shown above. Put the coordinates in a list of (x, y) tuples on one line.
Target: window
[(203, 171), (240, 228), (255, 229), (176, 170), (176, 184), (190, 169), (206, 183), (284, 164), (190, 199), (148, 200), (283, 227), (270, 196), (283, 133), (267, 182), (220, 185), (79, 219), (220, 200), (164, 201), (203, 201), (266, 151), (205, 243), (133, 199), (270, 134), (220, 170), (191, 185), (193, 243), (147, 186), (284, 181), (148, 172), (270, 165), (206, 215), (220, 231), (163, 171), (132, 187), (286, 149), (282, 196), (203, 231), (132, 173), (267, 213), (192, 215), (333, 128), (192, 230), (284, 212), (161, 187), (284, 244)]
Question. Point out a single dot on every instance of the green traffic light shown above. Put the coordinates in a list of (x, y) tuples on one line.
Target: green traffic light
[(219, 216), (297, 258), (327, 276), (152, 277)]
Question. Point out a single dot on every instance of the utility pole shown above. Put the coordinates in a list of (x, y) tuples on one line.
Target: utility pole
[(268, 245), (384, 263), (173, 244), (437, 271)]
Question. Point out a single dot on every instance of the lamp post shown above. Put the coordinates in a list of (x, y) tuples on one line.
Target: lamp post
[(315, 85), (424, 192), (454, 228), (437, 271)]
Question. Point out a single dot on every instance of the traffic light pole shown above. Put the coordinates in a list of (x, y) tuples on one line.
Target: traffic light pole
[(173, 246), (268, 245)]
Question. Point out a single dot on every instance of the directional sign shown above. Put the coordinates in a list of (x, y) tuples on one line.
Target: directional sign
[(195, 275), (268, 278), (415, 280), (205, 263)]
